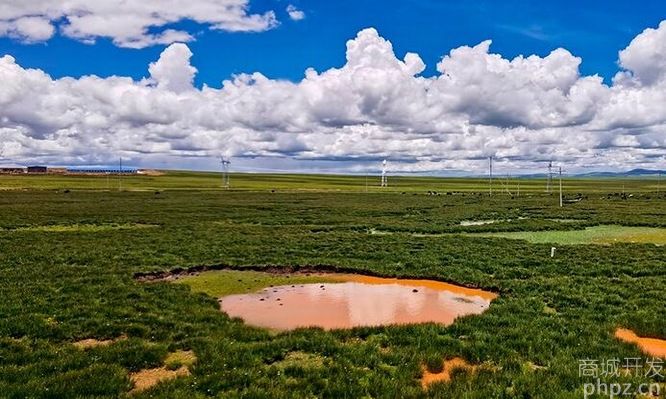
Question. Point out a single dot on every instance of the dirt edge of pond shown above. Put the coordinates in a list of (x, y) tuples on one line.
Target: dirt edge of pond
[(176, 273)]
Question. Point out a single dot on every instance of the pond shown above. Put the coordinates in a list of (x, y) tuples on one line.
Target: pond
[(354, 301)]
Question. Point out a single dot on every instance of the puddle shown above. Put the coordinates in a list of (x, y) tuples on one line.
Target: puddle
[(478, 222), (651, 346), (356, 301), (374, 231), (429, 378), (488, 221)]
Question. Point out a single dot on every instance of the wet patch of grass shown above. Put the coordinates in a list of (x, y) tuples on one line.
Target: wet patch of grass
[(608, 234)]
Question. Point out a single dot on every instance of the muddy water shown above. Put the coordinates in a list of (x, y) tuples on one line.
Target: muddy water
[(356, 301), (651, 346)]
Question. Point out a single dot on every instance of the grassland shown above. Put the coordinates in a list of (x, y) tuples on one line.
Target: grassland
[(589, 235), (183, 180), (62, 287)]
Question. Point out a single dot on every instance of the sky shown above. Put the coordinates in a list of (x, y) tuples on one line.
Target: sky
[(321, 86)]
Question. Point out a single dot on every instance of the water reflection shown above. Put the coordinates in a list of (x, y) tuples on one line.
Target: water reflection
[(356, 301)]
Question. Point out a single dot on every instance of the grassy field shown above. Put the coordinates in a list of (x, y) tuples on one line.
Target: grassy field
[(181, 180), (67, 261), (590, 235)]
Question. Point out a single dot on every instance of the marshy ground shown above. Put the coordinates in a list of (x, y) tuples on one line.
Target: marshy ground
[(63, 287)]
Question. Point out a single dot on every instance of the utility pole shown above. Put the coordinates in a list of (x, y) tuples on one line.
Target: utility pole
[(225, 172), (120, 173), (561, 203), (490, 182)]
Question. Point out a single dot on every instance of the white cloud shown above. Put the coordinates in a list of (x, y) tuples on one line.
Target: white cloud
[(127, 23), (27, 29), (294, 13), (645, 57), (173, 70), (524, 111)]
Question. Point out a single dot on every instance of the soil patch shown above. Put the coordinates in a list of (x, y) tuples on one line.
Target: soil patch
[(148, 378), (94, 343), (177, 364), (428, 378)]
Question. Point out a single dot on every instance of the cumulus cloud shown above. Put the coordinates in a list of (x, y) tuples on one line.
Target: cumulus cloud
[(645, 58), (173, 70), (524, 111), (27, 29), (130, 24), (294, 13)]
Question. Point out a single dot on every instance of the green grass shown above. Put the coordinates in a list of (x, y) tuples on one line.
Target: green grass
[(590, 235), (60, 287), (86, 228), (219, 283), (187, 180)]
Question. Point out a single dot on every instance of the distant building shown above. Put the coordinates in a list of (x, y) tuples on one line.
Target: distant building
[(57, 171), (12, 170), (93, 171), (37, 169)]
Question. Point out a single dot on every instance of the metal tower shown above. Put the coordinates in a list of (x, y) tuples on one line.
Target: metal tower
[(225, 172)]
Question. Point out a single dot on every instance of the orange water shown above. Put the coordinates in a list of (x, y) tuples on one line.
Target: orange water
[(356, 301), (651, 346)]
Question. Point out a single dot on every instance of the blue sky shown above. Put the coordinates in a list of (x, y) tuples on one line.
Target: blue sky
[(86, 82), (595, 32)]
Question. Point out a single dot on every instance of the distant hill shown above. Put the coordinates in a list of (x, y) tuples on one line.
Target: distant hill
[(630, 173), (633, 172)]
